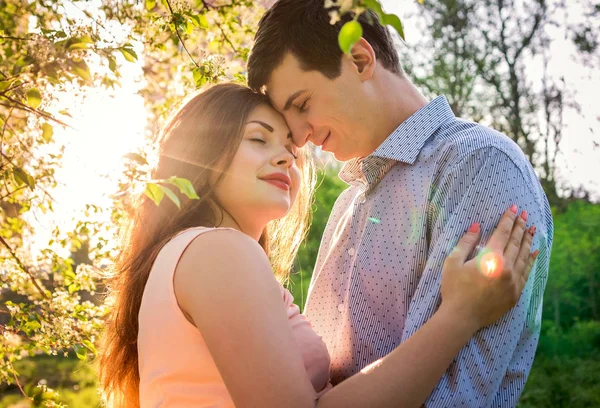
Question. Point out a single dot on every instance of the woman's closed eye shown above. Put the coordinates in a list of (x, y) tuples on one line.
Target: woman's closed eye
[(258, 140), (302, 107)]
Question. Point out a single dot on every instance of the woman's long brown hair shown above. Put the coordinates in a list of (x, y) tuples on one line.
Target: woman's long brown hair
[(197, 144)]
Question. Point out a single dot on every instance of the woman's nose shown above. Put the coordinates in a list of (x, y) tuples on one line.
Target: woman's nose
[(283, 157)]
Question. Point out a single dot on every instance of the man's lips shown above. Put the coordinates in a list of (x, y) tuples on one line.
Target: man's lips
[(279, 180)]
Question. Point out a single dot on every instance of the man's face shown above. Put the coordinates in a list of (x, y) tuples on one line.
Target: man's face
[(329, 113)]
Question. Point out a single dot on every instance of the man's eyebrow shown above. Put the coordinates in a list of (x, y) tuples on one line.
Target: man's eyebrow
[(263, 124), (289, 101)]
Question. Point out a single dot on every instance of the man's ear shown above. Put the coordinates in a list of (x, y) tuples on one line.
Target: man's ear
[(363, 58)]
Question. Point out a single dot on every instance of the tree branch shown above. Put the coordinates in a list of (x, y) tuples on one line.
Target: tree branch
[(37, 186), (23, 267), (208, 7), (179, 35), (529, 37), (22, 106), (12, 192), (7, 37)]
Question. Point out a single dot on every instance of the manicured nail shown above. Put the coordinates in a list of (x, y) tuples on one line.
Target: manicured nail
[(474, 227), (513, 208), (532, 230), (535, 254), (524, 215)]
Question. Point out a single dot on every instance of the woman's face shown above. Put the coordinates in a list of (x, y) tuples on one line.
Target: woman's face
[(263, 179)]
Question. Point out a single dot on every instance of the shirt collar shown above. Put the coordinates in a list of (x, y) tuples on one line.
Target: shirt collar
[(402, 145)]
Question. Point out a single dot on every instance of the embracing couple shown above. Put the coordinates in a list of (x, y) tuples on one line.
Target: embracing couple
[(429, 280)]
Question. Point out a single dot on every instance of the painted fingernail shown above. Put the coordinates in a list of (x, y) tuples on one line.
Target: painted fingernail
[(524, 215), (535, 253), (513, 208), (474, 227), (532, 230)]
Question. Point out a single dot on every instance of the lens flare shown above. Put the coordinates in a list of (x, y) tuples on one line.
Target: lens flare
[(489, 263), (491, 266)]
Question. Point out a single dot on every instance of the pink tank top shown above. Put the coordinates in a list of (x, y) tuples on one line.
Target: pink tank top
[(175, 365)]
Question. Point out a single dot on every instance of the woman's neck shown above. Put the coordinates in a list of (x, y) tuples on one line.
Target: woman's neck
[(227, 221)]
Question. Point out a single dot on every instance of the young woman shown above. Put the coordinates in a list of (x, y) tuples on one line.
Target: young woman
[(199, 318)]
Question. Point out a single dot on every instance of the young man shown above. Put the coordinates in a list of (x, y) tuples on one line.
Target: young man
[(418, 176)]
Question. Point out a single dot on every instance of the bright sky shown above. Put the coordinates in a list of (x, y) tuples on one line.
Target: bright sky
[(107, 127)]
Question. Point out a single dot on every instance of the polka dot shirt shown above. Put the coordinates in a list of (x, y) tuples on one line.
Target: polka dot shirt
[(377, 276)]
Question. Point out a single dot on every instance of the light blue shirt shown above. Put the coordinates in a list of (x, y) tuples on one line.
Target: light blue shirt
[(377, 277)]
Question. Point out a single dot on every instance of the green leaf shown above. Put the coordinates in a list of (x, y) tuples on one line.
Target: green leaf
[(199, 21), (199, 78), (129, 54), (150, 4), (375, 6), (32, 326), (136, 158), (385, 18), (80, 351), (154, 192), (47, 132), (81, 69), (185, 186), (90, 346), (171, 195), (79, 43), (73, 287), (394, 21), (350, 34), (51, 71), (112, 63), (65, 112), (22, 177), (4, 85), (34, 98)]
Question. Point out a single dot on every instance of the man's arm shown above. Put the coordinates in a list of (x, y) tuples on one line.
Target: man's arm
[(478, 189)]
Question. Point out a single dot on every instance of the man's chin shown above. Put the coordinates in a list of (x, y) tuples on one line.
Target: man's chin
[(342, 156)]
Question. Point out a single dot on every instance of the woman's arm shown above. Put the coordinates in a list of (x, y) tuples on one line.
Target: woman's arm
[(224, 282), (406, 376)]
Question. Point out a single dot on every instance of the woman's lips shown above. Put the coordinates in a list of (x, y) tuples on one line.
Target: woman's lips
[(279, 180), (279, 184)]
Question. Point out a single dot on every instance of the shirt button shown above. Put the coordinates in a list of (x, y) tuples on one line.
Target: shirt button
[(351, 251), (341, 307)]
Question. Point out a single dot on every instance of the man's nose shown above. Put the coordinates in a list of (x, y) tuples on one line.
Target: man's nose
[(301, 132)]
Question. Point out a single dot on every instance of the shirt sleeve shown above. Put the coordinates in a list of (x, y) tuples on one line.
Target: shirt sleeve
[(492, 368)]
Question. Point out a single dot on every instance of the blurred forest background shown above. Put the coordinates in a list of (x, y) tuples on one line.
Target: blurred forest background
[(86, 85)]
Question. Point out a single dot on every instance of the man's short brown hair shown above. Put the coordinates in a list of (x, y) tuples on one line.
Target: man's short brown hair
[(303, 28)]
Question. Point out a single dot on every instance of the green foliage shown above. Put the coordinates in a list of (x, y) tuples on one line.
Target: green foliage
[(329, 187), (74, 380), (565, 371), (573, 290), (352, 30), (349, 35)]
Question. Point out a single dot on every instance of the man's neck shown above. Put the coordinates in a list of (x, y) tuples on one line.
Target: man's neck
[(399, 99)]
